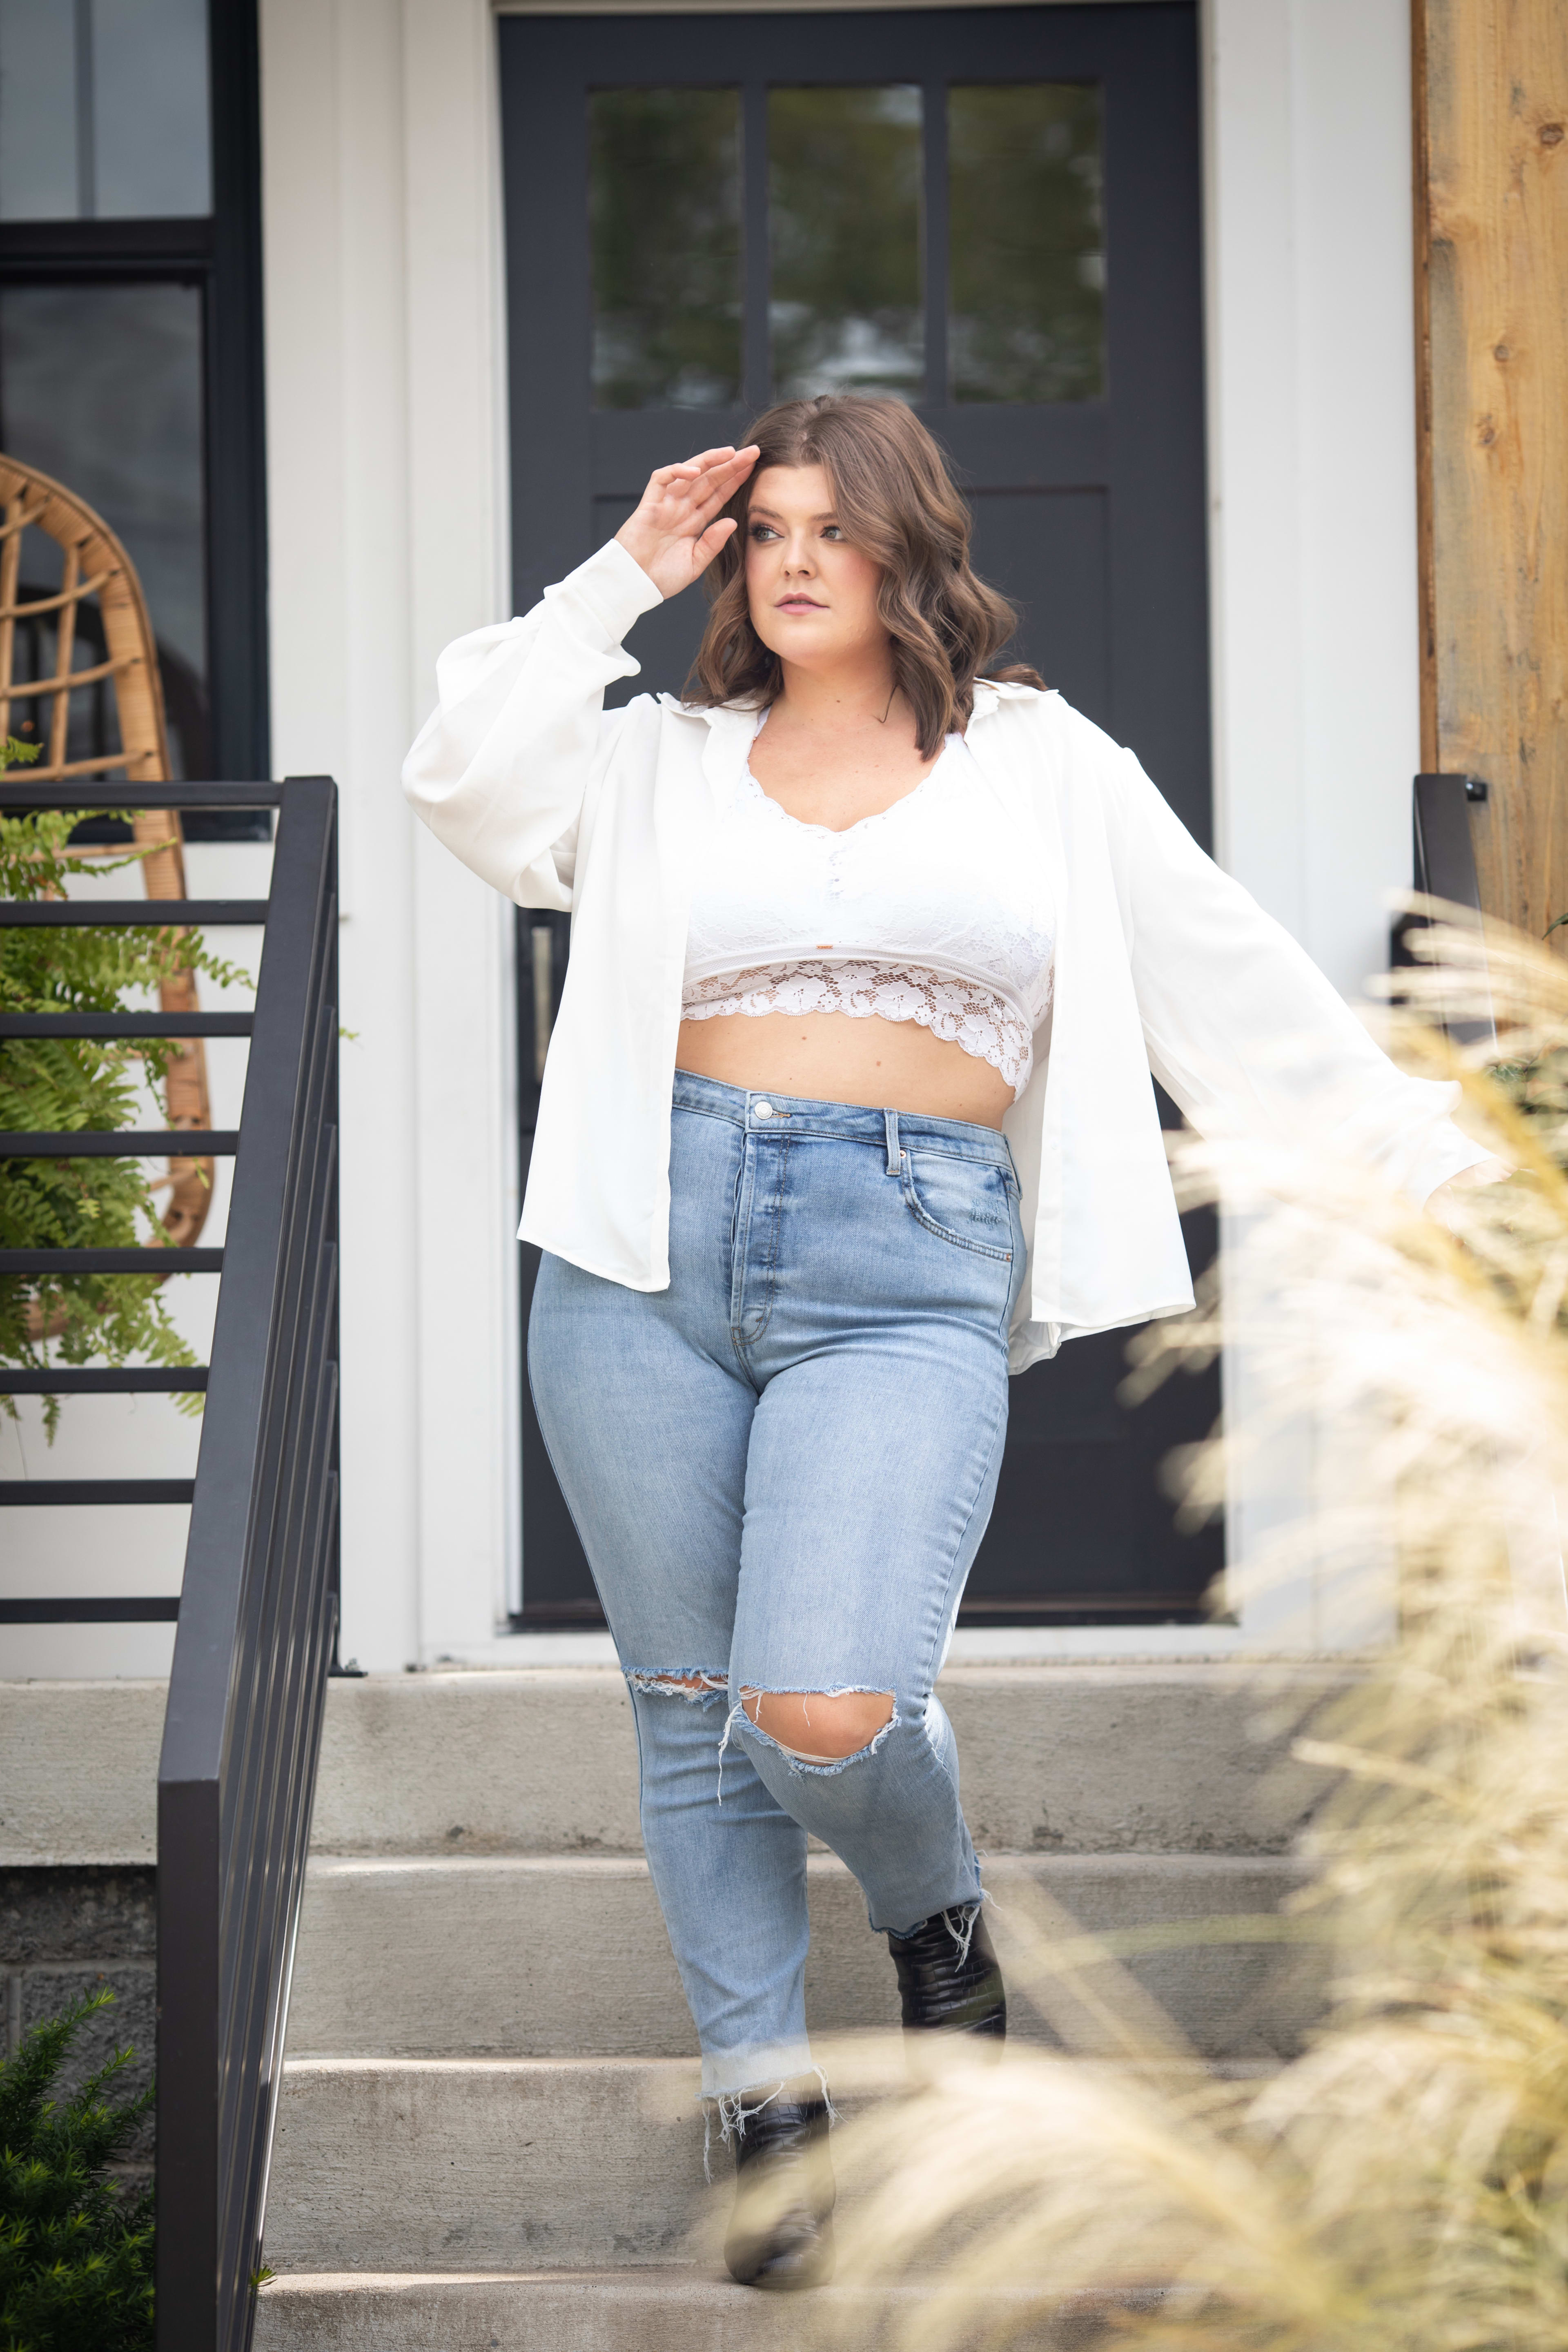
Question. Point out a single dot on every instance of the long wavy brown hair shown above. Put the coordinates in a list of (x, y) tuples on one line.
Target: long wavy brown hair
[(895, 500)]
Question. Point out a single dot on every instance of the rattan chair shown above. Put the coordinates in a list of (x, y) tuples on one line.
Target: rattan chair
[(97, 578)]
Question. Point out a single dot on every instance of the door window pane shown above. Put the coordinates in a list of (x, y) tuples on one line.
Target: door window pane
[(150, 109), (844, 183), (665, 211), (1026, 242), (103, 110), (100, 386)]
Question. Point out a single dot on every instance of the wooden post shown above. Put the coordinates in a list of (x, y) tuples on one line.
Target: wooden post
[(1491, 230)]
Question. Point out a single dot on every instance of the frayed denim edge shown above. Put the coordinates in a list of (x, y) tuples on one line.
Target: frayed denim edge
[(800, 1764), (734, 2115), (696, 1684), (966, 1914)]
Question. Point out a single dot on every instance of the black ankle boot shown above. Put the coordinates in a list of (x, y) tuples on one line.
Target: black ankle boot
[(949, 1980), (782, 2232)]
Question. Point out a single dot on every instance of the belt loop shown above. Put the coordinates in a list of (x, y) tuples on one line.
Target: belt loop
[(891, 1121)]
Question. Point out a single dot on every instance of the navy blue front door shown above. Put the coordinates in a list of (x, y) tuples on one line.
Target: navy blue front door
[(993, 214)]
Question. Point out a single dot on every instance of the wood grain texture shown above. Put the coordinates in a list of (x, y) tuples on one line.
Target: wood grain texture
[(1491, 214)]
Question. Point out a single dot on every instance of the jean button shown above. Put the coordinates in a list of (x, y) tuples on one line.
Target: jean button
[(762, 1110)]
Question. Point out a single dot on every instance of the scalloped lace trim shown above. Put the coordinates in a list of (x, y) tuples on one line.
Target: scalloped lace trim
[(962, 1012)]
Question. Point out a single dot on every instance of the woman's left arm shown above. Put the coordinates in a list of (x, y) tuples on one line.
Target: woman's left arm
[(1242, 1028)]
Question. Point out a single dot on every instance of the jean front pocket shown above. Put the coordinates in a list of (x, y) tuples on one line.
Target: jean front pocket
[(965, 1201)]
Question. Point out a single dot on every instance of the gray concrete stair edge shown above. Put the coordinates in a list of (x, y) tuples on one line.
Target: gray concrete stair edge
[(560, 1956), (1061, 1758), (582, 2311)]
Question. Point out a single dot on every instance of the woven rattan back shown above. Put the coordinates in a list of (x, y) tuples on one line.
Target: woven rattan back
[(97, 578)]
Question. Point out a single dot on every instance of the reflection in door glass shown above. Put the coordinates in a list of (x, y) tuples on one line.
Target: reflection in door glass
[(101, 387), (844, 186), (103, 110), (1027, 243), (664, 208)]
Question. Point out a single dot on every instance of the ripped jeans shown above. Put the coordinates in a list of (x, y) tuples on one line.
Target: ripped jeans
[(780, 1468)]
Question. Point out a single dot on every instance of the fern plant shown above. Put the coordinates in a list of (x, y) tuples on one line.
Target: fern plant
[(70, 1084), (76, 2257)]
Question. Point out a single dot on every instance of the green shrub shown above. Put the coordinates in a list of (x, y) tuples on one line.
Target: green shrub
[(62, 1084), (76, 2257)]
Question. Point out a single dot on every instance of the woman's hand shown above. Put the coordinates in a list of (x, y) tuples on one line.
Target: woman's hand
[(673, 534)]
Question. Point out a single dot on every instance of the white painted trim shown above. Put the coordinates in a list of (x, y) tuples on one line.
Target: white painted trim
[(1313, 566), (462, 945), (387, 515)]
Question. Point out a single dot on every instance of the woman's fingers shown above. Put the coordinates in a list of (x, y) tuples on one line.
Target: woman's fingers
[(673, 533), (689, 468), (720, 484), (702, 476), (710, 541)]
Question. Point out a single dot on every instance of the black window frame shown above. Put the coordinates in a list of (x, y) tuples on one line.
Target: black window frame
[(220, 254)]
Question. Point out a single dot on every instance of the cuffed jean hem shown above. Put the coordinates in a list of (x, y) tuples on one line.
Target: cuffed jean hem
[(757, 2066)]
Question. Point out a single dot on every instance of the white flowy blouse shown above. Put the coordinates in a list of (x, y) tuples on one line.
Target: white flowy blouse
[(1162, 963)]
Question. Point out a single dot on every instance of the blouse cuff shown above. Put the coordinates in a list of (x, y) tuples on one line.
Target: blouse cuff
[(612, 589)]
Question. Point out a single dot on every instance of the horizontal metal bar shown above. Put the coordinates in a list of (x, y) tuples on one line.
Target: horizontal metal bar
[(94, 245), (154, 1259), (121, 1143), (20, 794), (126, 1025), (105, 1380), (130, 1611), (51, 1491), (119, 914)]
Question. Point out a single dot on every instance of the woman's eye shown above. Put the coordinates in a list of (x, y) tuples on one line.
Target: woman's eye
[(832, 531), (763, 530)]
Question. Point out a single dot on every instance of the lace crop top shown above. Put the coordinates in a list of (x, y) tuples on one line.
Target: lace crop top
[(919, 914)]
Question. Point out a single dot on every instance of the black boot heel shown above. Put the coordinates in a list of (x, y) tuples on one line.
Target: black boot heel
[(949, 1980), (782, 2233)]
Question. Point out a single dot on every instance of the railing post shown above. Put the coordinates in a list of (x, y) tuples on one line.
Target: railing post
[(258, 1611)]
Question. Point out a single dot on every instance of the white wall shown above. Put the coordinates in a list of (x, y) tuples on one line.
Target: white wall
[(386, 484), (386, 497), (1312, 463), (1313, 562)]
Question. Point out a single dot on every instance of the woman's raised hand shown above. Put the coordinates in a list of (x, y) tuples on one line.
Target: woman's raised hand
[(673, 534)]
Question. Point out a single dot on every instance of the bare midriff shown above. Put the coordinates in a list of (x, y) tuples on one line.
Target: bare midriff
[(836, 1057)]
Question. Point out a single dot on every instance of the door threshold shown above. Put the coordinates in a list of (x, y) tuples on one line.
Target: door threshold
[(972, 1645)]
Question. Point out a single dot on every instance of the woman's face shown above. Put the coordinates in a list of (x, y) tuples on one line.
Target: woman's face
[(813, 597)]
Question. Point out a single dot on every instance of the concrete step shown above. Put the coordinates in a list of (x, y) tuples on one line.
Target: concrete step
[(1060, 1759), (446, 2164), (458, 2164), (594, 2310), (566, 1956), (1065, 1757)]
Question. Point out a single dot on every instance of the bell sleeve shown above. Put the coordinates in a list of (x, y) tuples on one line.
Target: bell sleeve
[(520, 737)]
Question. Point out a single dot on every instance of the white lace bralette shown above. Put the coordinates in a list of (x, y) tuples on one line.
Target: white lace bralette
[(921, 914)]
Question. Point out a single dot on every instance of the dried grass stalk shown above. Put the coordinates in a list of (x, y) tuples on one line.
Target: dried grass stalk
[(1403, 2186)]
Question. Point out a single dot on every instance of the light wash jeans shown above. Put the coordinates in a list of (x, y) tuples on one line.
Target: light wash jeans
[(780, 1468)]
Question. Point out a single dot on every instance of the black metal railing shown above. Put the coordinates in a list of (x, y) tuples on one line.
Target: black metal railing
[(257, 1612)]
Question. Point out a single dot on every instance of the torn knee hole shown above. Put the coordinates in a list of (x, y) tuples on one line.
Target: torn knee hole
[(694, 1684), (820, 1727)]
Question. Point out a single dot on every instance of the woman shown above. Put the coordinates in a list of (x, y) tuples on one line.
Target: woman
[(847, 1111)]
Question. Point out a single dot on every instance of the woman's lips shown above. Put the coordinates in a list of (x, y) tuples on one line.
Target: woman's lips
[(799, 605)]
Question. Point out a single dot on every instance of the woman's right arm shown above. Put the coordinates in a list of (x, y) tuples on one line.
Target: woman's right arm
[(500, 770)]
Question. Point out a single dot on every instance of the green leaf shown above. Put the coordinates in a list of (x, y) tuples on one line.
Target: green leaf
[(81, 1085)]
